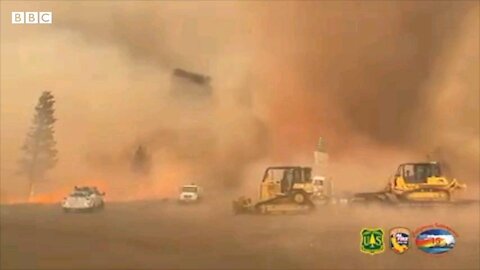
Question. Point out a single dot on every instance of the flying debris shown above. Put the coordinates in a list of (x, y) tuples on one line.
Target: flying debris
[(194, 77), (186, 83)]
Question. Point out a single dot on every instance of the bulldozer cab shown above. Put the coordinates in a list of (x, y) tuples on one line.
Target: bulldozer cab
[(286, 177), (283, 180), (418, 173)]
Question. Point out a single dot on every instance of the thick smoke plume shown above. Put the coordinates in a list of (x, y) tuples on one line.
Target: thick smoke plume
[(383, 82)]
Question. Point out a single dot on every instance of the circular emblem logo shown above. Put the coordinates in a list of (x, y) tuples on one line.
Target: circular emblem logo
[(435, 240)]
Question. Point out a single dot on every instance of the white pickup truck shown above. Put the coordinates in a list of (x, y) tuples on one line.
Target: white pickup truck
[(190, 194), (83, 199)]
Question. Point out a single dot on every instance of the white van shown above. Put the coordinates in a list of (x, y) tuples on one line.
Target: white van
[(190, 193)]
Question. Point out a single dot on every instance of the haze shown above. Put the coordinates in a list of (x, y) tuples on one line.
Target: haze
[(382, 82)]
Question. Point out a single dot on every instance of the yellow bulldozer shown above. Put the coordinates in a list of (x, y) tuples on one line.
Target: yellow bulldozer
[(421, 182), (286, 189)]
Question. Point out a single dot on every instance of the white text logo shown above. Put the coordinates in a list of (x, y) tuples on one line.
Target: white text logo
[(34, 17)]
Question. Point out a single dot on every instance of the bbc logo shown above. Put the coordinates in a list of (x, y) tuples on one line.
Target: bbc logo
[(20, 17)]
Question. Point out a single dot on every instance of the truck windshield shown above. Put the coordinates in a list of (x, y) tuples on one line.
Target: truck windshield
[(79, 194), (189, 189), (318, 182)]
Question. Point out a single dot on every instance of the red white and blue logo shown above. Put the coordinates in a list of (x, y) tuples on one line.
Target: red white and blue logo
[(435, 239)]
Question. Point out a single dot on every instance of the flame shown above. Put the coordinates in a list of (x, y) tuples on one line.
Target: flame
[(161, 184), (48, 198)]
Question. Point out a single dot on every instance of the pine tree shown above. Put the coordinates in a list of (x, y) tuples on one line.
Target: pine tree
[(39, 150), (372, 240)]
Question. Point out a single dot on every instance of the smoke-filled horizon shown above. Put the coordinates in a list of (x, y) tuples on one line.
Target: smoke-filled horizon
[(382, 82)]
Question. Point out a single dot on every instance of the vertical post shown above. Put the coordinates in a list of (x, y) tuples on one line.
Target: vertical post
[(320, 159)]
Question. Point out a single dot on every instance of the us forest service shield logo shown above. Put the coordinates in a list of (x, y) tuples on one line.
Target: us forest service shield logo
[(372, 241)]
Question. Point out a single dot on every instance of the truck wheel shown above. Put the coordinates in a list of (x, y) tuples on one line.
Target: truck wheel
[(299, 197)]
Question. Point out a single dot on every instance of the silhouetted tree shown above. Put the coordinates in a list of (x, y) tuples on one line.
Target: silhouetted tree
[(39, 150), (141, 161)]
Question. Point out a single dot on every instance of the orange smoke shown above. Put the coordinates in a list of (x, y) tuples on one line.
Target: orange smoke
[(296, 115), (54, 196), (362, 75), (163, 184)]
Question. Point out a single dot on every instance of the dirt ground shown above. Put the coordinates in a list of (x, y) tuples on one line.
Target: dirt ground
[(163, 235)]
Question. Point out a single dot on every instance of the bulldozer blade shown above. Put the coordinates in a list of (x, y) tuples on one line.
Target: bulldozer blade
[(372, 196)]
